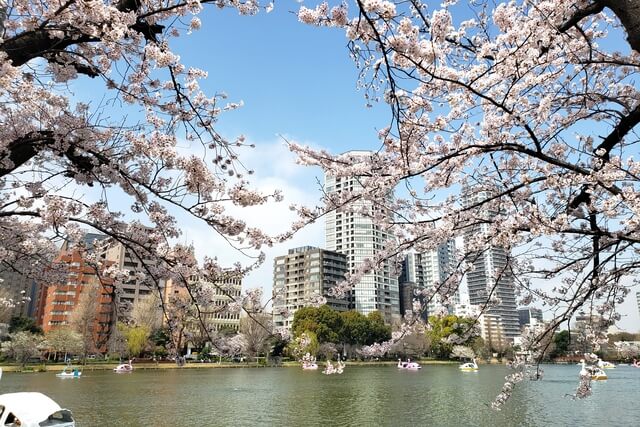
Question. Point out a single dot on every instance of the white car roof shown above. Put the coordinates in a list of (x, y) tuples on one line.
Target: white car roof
[(29, 407)]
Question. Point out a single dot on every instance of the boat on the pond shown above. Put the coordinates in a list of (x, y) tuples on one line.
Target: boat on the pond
[(69, 372), (602, 364), (469, 366), (338, 368), (636, 363), (309, 362), (594, 372), (31, 409), (123, 368), (408, 365)]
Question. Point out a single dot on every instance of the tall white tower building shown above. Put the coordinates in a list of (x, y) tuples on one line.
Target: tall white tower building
[(352, 233), (491, 276), (429, 269)]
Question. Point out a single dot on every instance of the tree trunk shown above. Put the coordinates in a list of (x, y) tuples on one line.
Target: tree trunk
[(628, 12)]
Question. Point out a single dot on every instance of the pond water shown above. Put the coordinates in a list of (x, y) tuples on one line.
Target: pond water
[(362, 396)]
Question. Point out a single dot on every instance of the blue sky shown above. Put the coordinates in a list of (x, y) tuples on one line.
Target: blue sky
[(294, 79)]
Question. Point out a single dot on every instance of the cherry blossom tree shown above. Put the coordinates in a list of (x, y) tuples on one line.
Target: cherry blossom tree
[(513, 125), (124, 156)]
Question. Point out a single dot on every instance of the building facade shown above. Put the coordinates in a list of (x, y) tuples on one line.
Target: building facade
[(493, 332), (133, 289), (85, 297), (190, 322), (354, 234), (303, 275), (427, 270), (491, 277), (19, 294), (529, 316)]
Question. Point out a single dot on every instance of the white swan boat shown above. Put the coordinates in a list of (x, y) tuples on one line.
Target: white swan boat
[(309, 362), (123, 368), (594, 372), (30, 409), (469, 366), (408, 365), (331, 369), (605, 365), (69, 372)]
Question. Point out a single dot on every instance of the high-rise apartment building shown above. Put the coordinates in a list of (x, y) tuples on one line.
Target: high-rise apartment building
[(491, 277), (18, 293), (354, 234), (60, 303), (493, 332), (427, 270), (302, 275), (133, 289), (529, 316)]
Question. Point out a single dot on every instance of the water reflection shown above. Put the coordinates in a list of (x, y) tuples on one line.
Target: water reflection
[(435, 395)]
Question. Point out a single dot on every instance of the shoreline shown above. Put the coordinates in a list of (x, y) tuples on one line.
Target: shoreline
[(196, 365)]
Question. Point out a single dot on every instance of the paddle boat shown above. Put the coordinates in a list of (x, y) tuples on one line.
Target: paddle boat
[(31, 409), (309, 366), (123, 368), (331, 369), (408, 365), (636, 363), (309, 362), (605, 365), (469, 366), (69, 372), (594, 372)]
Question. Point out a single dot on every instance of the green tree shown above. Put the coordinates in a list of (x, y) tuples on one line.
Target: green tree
[(443, 328), (278, 346), (479, 347), (561, 342), (137, 338), (355, 328), (323, 321), (306, 342), (378, 330), (160, 337), (21, 323)]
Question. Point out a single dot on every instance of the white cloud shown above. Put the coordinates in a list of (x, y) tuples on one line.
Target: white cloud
[(275, 168)]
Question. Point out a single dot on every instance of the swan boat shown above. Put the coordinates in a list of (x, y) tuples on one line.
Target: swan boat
[(309, 362), (596, 373), (123, 368), (605, 365), (69, 372), (30, 409), (331, 369), (469, 366), (408, 365)]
